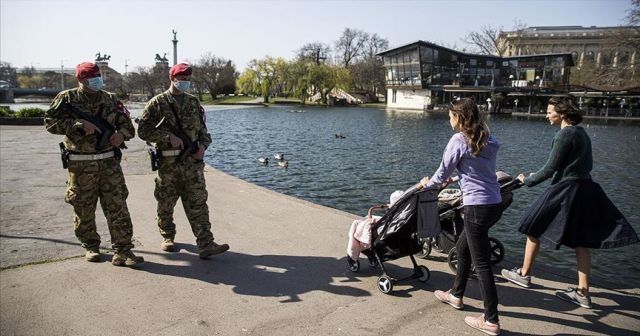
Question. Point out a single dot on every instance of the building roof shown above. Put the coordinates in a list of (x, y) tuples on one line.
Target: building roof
[(433, 45)]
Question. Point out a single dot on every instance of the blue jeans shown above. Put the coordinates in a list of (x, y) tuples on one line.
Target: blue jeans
[(473, 247)]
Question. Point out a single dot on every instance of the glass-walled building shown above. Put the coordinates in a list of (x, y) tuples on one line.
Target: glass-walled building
[(422, 75)]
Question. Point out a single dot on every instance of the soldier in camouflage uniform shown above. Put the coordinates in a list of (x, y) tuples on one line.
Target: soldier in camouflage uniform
[(95, 173), (174, 121)]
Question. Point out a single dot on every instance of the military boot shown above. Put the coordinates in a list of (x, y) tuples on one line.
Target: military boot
[(126, 258), (168, 245), (92, 255), (212, 249)]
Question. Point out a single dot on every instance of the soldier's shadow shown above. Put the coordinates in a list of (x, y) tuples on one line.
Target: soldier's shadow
[(282, 276)]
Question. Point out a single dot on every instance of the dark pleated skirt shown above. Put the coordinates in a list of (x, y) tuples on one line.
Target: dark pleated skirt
[(577, 213)]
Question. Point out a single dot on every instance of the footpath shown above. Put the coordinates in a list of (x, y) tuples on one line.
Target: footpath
[(285, 273)]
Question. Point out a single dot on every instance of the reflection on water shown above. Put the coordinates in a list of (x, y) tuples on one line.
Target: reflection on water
[(386, 151)]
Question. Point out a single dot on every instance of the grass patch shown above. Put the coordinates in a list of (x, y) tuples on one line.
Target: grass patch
[(206, 99)]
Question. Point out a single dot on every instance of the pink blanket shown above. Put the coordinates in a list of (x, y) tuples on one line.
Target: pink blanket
[(360, 236)]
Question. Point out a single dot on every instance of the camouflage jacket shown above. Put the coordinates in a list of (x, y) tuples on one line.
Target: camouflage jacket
[(60, 119), (159, 120)]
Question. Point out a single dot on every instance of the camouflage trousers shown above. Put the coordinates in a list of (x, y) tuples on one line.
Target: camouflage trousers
[(93, 180), (184, 180)]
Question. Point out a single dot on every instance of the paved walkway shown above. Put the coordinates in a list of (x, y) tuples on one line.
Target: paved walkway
[(284, 275)]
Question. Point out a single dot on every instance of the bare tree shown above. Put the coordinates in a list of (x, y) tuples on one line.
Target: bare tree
[(350, 45), (368, 73), (8, 73), (375, 44), (488, 40), (316, 52), (214, 74)]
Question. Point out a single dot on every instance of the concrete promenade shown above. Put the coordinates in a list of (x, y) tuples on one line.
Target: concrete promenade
[(285, 274)]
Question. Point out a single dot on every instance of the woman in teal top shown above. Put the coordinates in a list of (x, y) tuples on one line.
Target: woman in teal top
[(574, 211)]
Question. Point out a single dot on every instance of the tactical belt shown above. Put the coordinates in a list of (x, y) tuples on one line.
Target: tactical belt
[(174, 152), (89, 157)]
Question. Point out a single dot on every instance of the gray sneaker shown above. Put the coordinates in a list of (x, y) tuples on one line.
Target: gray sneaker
[(515, 276), (572, 295)]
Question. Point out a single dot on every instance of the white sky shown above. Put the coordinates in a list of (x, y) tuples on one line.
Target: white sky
[(46, 33)]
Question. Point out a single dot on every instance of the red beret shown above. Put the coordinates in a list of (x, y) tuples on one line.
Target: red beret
[(180, 69), (87, 70)]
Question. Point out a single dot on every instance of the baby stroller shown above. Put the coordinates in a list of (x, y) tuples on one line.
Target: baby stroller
[(451, 220), (397, 234)]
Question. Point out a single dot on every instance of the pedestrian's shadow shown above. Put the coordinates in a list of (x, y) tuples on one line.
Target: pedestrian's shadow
[(259, 275)]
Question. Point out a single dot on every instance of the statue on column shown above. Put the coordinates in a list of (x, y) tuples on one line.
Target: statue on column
[(102, 58)]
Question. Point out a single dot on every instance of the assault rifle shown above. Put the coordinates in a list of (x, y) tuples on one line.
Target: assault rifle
[(188, 147), (106, 129)]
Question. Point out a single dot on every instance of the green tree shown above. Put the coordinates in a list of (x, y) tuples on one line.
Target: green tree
[(263, 76), (326, 78), (297, 76)]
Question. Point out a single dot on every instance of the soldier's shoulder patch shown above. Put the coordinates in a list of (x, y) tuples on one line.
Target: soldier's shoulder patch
[(123, 109)]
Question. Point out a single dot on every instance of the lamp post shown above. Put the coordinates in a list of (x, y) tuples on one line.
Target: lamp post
[(511, 79), (458, 79), (476, 83), (622, 102), (489, 105), (516, 103)]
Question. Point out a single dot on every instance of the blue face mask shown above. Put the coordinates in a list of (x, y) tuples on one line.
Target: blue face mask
[(183, 85), (95, 83)]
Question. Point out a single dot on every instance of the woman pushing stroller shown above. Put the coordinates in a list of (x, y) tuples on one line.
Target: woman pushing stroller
[(574, 211), (472, 152)]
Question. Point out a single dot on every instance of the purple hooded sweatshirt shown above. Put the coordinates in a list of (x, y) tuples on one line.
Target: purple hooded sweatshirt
[(478, 181)]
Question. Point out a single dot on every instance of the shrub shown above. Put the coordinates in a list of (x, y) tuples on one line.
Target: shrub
[(30, 112), (5, 111)]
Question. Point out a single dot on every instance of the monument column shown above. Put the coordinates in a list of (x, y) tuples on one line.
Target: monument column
[(175, 47)]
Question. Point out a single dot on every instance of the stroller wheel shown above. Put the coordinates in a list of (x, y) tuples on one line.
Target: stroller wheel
[(354, 265), (423, 273), (425, 244), (385, 284), (497, 251), (452, 260)]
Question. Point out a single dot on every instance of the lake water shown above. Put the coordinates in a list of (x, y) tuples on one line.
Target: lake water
[(383, 151)]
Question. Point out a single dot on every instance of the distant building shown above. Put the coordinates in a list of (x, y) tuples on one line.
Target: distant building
[(583, 43), (423, 75), (110, 76), (601, 48)]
